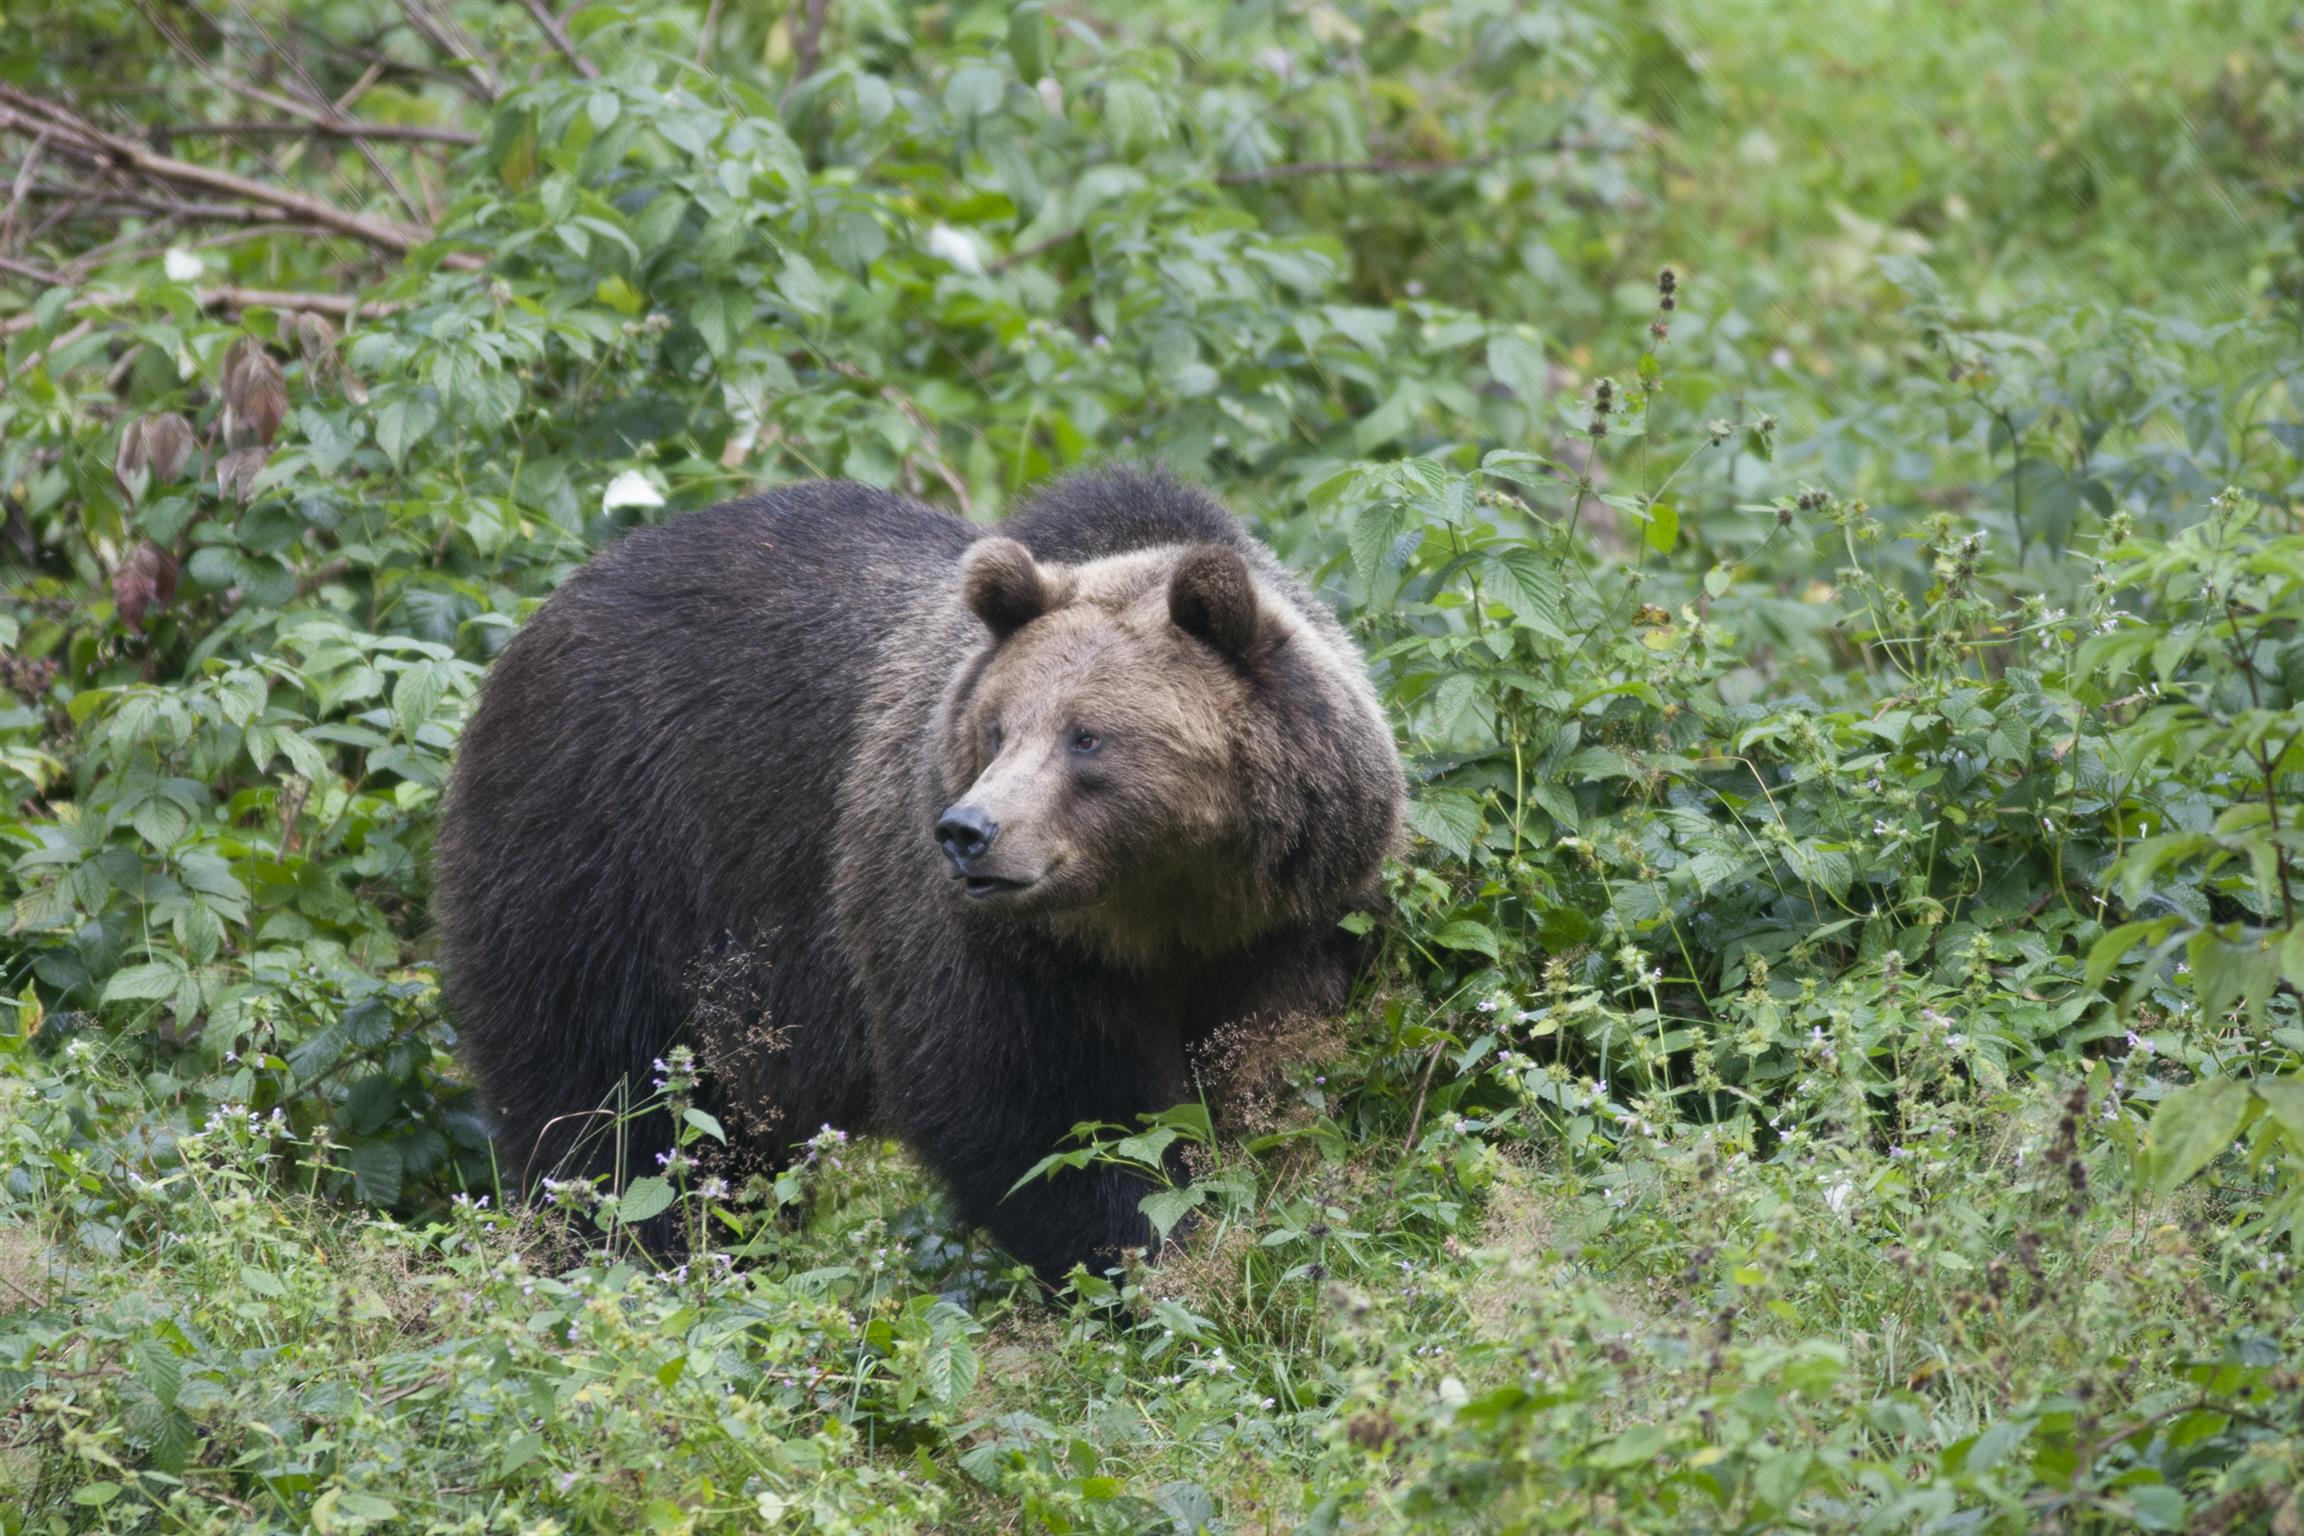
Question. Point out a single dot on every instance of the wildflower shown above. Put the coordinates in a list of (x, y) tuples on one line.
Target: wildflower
[(1836, 1198)]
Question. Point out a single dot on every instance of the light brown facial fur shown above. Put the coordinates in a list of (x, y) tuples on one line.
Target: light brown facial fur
[(1101, 737)]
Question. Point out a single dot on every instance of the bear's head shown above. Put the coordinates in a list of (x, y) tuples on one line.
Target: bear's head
[(1157, 754)]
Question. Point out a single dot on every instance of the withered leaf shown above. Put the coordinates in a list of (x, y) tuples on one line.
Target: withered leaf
[(236, 471), (145, 582), (168, 444), (132, 459), (255, 397)]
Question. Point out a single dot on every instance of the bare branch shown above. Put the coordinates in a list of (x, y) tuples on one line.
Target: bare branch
[(320, 99), (808, 39), (23, 184), (28, 114), (236, 86), (560, 39), (343, 306), (340, 128), (444, 35)]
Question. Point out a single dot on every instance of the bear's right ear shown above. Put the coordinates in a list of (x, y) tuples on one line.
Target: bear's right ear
[(1006, 587)]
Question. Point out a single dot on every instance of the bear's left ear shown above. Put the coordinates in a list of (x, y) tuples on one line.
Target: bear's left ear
[(1212, 597)]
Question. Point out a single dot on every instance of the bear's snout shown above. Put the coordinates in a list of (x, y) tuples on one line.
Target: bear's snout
[(966, 833)]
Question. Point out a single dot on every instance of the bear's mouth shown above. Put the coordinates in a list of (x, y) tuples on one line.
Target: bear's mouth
[(979, 887)]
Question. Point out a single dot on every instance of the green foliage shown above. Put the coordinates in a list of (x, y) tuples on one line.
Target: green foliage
[(1835, 1058)]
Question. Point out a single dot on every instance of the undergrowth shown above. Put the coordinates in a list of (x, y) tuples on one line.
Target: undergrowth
[(1834, 1060)]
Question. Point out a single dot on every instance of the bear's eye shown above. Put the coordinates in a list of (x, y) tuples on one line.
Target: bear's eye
[(1085, 741), (992, 741)]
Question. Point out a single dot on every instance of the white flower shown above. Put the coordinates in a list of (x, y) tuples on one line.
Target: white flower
[(1837, 1197), (1051, 95), (958, 247), (630, 489), (182, 266)]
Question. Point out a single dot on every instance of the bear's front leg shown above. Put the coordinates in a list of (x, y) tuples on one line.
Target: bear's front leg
[(982, 1118)]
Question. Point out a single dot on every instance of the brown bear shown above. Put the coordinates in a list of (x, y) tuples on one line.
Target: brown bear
[(963, 834)]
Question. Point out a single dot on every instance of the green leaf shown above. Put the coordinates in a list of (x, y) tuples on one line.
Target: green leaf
[(1373, 529), (263, 1282), (801, 285), (1465, 934), (720, 316), (2192, 1127), (644, 1199), (1145, 1147), (973, 92), (1447, 818), (1530, 586), (149, 982), (415, 693), (950, 1368), (706, 1124), (158, 1368), (402, 422), (1165, 1208), (1663, 526), (2283, 1098), (1028, 39), (1518, 365)]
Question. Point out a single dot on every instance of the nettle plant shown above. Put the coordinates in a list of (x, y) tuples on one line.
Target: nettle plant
[(1666, 884)]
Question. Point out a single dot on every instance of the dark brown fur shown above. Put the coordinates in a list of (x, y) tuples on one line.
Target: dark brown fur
[(729, 742)]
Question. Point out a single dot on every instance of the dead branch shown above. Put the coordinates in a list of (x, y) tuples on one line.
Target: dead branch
[(24, 113), (223, 79), (560, 39), (337, 128), (444, 35), (114, 201), (808, 39), (320, 100), (22, 185), (226, 297)]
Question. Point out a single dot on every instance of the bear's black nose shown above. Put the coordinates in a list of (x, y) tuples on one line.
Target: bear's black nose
[(966, 832)]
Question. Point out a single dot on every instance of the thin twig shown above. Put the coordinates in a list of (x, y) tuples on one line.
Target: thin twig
[(321, 100), (23, 184), (1416, 1116), (228, 297), (336, 128), (560, 39), (1384, 167), (704, 32), (236, 86), (808, 40), (113, 201), (444, 35), (1036, 248)]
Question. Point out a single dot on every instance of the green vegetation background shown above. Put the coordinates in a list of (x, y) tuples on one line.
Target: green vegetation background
[(1818, 484)]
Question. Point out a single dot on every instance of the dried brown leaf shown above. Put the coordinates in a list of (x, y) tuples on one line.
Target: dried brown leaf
[(132, 459), (236, 471), (168, 444), (145, 582), (255, 396)]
